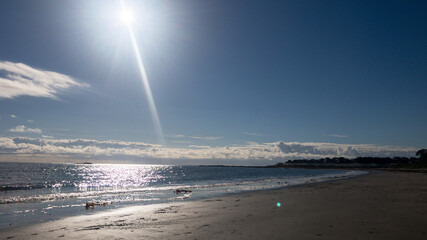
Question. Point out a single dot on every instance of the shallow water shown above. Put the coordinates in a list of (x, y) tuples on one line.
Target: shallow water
[(38, 192)]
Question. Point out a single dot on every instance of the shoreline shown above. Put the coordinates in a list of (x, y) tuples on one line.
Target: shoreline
[(11, 214), (379, 205)]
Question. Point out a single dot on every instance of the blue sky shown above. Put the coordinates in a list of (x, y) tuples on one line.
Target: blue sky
[(223, 74)]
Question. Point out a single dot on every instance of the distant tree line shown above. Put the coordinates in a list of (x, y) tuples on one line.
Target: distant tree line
[(422, 154), (359, 161)]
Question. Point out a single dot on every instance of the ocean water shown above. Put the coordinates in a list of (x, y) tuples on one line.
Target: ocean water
[(38, 192)]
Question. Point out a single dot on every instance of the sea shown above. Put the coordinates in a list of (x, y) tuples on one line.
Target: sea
[(38, 192)]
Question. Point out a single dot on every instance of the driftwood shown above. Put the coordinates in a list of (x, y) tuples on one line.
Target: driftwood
[(92, 205), (182, 191)]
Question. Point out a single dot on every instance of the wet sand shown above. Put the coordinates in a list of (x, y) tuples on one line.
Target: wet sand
[(385, 205)]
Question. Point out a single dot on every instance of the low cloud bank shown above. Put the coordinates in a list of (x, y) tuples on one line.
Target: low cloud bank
[(144, 152)]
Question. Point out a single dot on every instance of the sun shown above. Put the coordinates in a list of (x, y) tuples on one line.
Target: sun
[(126, 16)]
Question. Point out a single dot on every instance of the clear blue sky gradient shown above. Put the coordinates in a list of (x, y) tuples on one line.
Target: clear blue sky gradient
[(285, 70)]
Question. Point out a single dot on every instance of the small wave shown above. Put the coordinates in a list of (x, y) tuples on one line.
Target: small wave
[(62, 196), (14, 188)]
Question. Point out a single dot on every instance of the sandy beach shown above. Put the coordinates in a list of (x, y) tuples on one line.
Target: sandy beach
[(384, 205)]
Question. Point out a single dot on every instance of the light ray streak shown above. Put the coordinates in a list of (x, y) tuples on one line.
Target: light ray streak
[(144, 78)]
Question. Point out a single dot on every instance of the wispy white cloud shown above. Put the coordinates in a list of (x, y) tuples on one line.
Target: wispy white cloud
[(205, 137), (11, 115), (181, 142), (337, 135), (195, 137), (121, 150), (198, 146), (46, 136), (18, 79), (30, 121), (24, 129), (177, 136)]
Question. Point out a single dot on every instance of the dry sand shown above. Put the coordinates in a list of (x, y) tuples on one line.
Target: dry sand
[(385, 205)]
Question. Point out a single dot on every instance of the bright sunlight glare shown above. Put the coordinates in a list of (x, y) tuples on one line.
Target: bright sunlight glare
[(126, 16)]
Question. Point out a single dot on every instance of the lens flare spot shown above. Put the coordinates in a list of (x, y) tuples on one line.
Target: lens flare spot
[(279, 204)]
